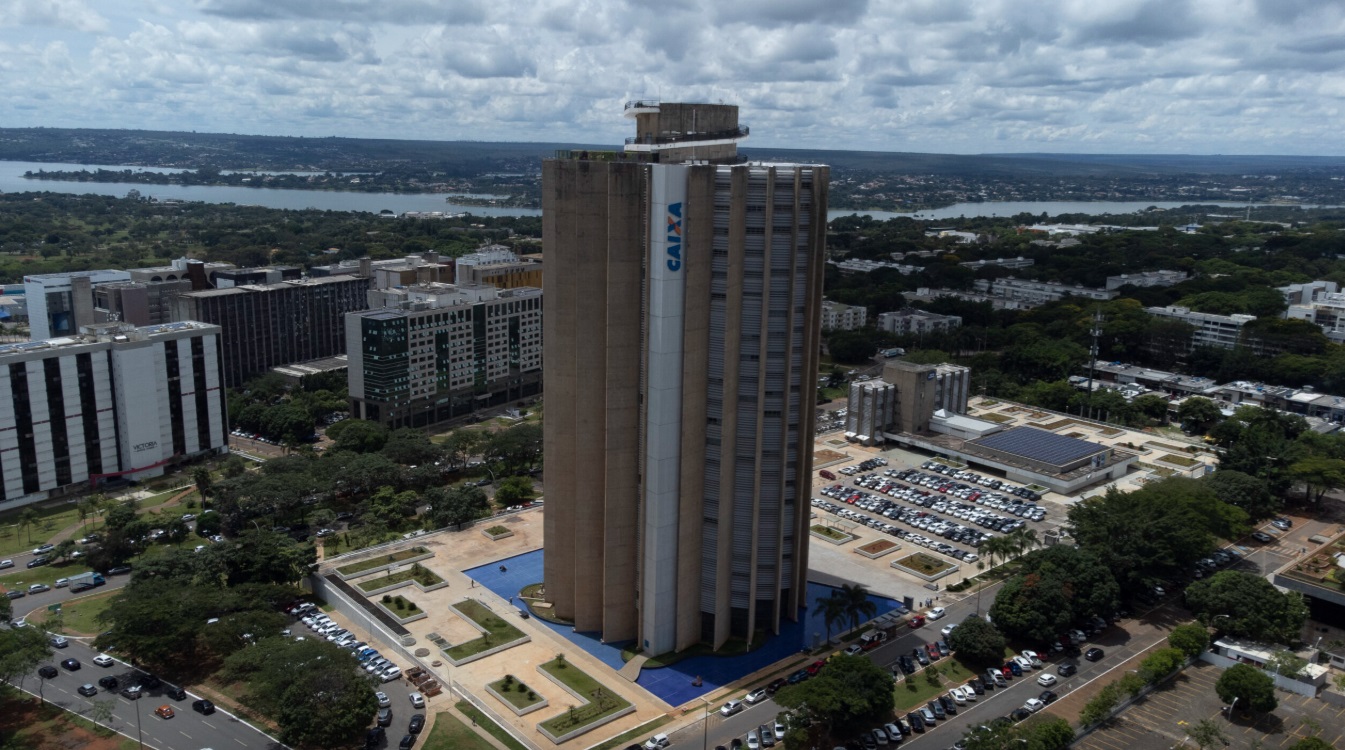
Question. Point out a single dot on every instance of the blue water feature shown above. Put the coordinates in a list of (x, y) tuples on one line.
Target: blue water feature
[(673, 684)]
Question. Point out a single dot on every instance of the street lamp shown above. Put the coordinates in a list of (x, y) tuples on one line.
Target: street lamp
[(705, 724), (140, 736)]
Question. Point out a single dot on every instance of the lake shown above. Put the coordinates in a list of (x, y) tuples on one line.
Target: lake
[(12, 180)]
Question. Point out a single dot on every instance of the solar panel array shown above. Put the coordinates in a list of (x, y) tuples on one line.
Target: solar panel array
[(1039, 445)]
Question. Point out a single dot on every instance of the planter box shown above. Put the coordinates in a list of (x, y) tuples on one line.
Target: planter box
[(580, 701), (846, 537), (497, 537), (403, 620), (886, 548), (931, 577), (487, 652), (381, 568), (539, 705), (400, 584)]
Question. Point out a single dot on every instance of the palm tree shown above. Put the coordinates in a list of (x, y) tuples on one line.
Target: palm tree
[(857, 604), (1024, 539), (28, 518), (833, 610), (997, 546)]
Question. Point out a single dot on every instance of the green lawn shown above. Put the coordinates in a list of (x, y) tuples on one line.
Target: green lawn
[(955, 670), (516, 693), (426, 577), (80, 613), (374, 562), (402, 607), (602, 701), (449, 733), (831, 533), (498, 631), (916, 692), (50, 521), (482, 721)]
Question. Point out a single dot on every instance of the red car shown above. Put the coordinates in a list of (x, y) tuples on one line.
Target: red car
[(933, 652), (816, 666), (917, 622), (1008, 673)]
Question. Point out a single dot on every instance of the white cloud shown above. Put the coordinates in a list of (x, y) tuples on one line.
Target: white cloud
[(1229, 76)]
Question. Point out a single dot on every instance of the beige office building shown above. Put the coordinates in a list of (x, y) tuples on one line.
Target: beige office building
[(683, 290)]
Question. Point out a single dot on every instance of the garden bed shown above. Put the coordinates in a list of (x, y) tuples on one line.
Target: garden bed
[(520, 698), (877, 548), (597, 705), (1183, 461), (496, 634), (424, 578), (497, 532), (383, 562), (925, 566), (401, 609), (996, 418), (835, 536)]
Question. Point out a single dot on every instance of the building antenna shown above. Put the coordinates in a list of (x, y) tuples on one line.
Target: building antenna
[(1092, 360)]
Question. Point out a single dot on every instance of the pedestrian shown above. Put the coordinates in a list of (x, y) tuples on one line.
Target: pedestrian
[(503, 569)]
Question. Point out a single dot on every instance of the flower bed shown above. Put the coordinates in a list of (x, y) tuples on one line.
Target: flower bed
[(497, 532), (877, 548), (835, 536), (401, 608), (1170, 458)]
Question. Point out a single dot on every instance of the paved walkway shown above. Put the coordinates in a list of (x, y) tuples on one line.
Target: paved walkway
[(631, 670)]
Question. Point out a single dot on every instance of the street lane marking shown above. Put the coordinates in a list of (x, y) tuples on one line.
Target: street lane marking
[(212, 726)]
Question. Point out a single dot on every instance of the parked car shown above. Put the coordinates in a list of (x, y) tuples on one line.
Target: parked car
[(417, 723), (1094, 654), (731, 708), (107, 683), (87, 690), (384, 717), (755, 697), (47, 672), (936, 613)]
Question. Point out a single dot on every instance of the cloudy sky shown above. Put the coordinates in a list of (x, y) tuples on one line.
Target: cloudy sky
[(948, 76)]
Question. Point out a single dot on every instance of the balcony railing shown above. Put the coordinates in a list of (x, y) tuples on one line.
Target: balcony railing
[(643, 104), (741, 131)]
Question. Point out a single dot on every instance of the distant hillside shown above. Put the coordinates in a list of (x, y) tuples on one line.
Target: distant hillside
[(469, 158)]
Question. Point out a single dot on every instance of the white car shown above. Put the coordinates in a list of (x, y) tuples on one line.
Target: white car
[(1046, 680), (958, 696), (948, 629), (1033, 657), (6, 564), (753, 741), (1034, 705), (657, 742), (417, 700), (103, 660), (393, 673), (61, 583), (756, 696), (383, 700), (936, 613)]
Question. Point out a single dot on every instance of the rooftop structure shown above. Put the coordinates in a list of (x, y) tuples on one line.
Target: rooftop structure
[(859, 265), (841, 317), (1019, 262), (498, 266), (1223, 331), (1031, 445), (1147, 279), (1033, 293)]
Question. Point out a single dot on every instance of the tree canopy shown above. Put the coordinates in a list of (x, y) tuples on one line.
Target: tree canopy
[(977, 641), (1055, 587), (1247, 605), (849, 691), (1253, 689)]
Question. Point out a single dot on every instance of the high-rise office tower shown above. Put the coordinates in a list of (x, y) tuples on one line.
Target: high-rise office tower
[(683, 292)]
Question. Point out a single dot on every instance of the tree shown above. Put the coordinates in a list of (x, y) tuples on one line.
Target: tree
[(849, 691), (1253, 689), (858, 606), (292, 682), (1244, 491), (977, 641), (1160, 664), (515, 450), (388, 507), (1199, 414), (514, 490), (264, 557), (358, 436), (364, 474), (1318, 475), (462, 444), (1189, 638), (28, 518), (409, 447), (6, 609), (21, 650), (1207, 735), (1247, 605), (1311, 743), (832, 610), (455, 506), (1054, 587), (200, 476), (1099, 708)]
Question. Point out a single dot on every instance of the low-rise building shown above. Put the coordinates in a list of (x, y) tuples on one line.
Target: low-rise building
[(867, 266), (1033, 293), (1326, 310), (498, 266), (925, 294), (1147, 278), (430, 353), (913, 322), (1223, 331), (841, 317), (112, 400), (1019, 262), (906, 399)]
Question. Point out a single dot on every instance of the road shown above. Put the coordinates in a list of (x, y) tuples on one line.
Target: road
[(26, 605), (996, 703), (187, 730)]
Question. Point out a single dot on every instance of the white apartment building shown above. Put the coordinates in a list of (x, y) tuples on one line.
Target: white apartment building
[(1304, 294), (1033, 293), (840, 317), (911, 321), (1318, 302), (1147, 278), (432, 352), (1210, 330), (1019, 262), (111, 401), (60, 303)]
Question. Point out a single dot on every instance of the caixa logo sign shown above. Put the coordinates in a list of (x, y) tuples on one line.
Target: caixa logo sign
[(674, 236)]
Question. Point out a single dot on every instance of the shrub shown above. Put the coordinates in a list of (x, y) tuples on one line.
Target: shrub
[(387, 598)]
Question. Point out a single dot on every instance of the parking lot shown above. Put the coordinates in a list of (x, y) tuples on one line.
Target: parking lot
[(1162, 719)]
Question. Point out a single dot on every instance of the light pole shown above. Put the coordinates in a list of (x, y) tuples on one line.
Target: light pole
[(140, 736), (1231, 706), (705, 725)]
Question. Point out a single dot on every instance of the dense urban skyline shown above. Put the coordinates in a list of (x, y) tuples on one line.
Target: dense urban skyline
[(948, 76)]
